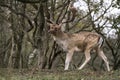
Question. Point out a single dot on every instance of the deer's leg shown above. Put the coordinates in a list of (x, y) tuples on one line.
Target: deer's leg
[(68, 58), (87, 56), (102, 55)]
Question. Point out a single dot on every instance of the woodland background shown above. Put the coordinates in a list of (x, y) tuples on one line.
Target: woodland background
[(26, 43)]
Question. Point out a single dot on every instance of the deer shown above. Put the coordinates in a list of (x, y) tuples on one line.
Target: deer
[(83, 41)]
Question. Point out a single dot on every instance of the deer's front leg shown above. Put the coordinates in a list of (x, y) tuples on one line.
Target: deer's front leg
[(87, 56), (68, 58)]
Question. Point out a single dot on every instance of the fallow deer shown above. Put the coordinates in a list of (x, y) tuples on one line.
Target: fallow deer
[(82, 41)]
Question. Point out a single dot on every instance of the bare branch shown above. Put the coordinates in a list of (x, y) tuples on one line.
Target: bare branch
[(103, 13), (21, 14), (66, 3), (30, 1), (80, 20)]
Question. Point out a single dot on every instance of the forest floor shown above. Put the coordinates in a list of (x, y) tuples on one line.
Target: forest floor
[(10, 74)]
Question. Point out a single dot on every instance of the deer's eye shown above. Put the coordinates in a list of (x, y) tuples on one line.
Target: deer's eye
[(48, 27), (52, 27)]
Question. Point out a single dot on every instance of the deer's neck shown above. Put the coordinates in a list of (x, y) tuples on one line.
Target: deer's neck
[(59, 35)]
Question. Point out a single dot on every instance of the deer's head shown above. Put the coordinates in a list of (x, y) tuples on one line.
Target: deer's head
[(54, 28)]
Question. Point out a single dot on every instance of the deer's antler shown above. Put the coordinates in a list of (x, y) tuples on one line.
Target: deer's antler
[(73, 10)]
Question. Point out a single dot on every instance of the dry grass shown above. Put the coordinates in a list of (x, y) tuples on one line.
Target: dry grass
[(7, 74)]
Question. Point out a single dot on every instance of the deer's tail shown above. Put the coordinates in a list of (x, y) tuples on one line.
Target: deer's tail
[(100, 42)]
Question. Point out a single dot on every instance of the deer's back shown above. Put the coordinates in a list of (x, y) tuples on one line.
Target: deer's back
[(82, 39), (83, 36)]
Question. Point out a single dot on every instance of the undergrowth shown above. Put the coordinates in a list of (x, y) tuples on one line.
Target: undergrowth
[(7, 74)]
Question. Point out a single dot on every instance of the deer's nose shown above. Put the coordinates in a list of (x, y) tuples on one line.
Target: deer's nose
[(49, 31)]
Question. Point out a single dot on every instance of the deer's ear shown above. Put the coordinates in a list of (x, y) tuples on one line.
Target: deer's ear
[(49, 21), (60, 24), (49, 24)]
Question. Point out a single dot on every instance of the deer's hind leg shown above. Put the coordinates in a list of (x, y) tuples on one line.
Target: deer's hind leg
[(102, 55)]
